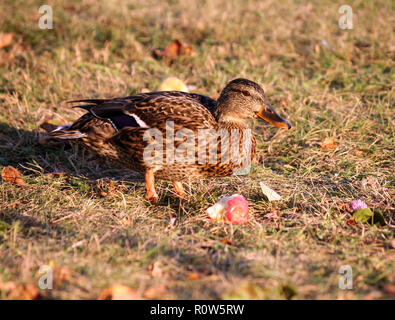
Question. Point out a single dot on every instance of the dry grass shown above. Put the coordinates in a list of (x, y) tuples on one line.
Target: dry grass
[(103, 49)]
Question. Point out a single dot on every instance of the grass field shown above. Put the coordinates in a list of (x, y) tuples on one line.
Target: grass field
[(95, 225)]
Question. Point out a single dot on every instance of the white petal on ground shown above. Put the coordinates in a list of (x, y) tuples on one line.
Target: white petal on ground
[(269, 193)]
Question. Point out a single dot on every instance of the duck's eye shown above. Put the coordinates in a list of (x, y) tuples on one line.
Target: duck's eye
[(243, 92)]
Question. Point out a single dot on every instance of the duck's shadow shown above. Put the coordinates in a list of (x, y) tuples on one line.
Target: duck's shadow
[(32, 154)]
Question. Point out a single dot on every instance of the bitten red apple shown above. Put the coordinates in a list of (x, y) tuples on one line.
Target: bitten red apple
[(233, 209)]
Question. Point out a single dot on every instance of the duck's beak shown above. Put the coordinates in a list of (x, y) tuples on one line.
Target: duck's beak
[(268, 114)]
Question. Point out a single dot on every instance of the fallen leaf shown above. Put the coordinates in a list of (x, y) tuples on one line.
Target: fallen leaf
[(226, 241), (351, 221), (56, 174), (328, 143), (344, 207), (155, 292), (119, 292), (10, 174), (269, 193), (173, 50), (363, 215), (60, 274), (393, 243), (389, 289), (173, 84), (193, 276), (13, 291), (366, 215), (5, 39)]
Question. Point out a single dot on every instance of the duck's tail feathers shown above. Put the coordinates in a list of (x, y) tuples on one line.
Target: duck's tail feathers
[(64, 132), (90, 103)]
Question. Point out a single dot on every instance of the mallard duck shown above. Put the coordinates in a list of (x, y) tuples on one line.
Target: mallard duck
[(150, 132)]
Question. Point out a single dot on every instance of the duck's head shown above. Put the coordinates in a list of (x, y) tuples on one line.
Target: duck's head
[(243, 99)]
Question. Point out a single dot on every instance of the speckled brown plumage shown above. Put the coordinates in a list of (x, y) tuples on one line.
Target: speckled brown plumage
[(115, 129)]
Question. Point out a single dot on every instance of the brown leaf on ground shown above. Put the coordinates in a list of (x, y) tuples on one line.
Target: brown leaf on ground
[(389, 289), (155, 292), (5, 39), (13, 291), (56, 174), (351, 221), (10, 174), (344, 207), (193, 276), (61, 275), (328, 143), (173, 50), (119, 292), (226, 241)]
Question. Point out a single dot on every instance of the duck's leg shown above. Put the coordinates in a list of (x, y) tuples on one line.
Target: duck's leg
[(179, 189), (150, 186)]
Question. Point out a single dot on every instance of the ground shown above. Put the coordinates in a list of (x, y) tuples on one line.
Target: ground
[(92, 221)]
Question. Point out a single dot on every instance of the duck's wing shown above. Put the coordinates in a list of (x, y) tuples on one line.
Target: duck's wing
[(209, 103), (153, 110)]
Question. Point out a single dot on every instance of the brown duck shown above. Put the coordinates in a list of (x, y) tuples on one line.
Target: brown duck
[(175, 135)]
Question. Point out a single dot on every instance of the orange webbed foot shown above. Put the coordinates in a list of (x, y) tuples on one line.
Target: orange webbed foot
[(179, 189), (150, 186)]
